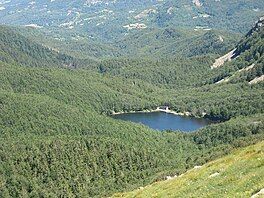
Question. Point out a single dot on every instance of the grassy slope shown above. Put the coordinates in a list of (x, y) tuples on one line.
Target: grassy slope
[(46, 108), (241, 175)]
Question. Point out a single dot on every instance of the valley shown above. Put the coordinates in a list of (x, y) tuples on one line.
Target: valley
[(69, 69)]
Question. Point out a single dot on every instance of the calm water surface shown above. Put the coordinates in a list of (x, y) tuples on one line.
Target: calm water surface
[(165, 121)]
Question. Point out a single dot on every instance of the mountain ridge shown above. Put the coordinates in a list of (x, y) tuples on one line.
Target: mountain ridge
[(57, 139)]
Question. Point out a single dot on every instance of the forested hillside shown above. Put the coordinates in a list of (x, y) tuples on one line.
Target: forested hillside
[(15, 48), (248, 58), (110, 20), (103, 29), (73, 65), (206, 14), (58, 141), (152, 43), (50, 123)]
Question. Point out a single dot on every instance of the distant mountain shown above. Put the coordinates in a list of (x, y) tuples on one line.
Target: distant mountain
[(55, 134), (85, 16), (65, 66), (110, 20), (206, 14), (110, 29)]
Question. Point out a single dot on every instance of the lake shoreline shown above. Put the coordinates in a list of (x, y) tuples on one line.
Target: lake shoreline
[(158, 109), (158, 120)]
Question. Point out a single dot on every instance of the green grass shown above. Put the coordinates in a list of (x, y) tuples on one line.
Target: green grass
[(241, 174), (56, 140)]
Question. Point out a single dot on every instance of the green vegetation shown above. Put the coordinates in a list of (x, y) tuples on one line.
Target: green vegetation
[(232, 16), (75, 44), (16, 49), (98, 31), (151, 43), (56, 110), (169, 42), (171, 73), (249, 52), (56, 142), (56, 137), (239, 174)]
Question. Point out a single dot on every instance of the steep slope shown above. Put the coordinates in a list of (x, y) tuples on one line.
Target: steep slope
[(16, 49), (247, 58), (240, 174), (177, 72), (50, 111), (172, 41), (56, 142), (77, 44), (152, 43), (245, 63)]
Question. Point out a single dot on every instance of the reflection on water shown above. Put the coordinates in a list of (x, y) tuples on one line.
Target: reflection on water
[(165, 121)]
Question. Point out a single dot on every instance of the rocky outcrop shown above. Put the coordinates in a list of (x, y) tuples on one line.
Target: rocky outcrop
[(258, 25), (259, 194), (220, 61), (257, 80), (197, 3)]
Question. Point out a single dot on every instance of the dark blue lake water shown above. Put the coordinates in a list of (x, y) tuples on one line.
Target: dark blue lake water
[(165, 121)]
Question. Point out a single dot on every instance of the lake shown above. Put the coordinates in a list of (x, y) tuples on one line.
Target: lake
[(165, 121)]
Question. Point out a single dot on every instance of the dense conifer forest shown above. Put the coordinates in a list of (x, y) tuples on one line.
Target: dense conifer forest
[(57, 138)]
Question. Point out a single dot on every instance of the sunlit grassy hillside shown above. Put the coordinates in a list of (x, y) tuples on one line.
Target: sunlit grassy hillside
[(240, 174)]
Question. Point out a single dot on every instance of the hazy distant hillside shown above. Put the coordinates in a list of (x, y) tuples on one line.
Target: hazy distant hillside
[(94, 18), (71, 64), (233, 15), (112, 19), (103, 29)]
